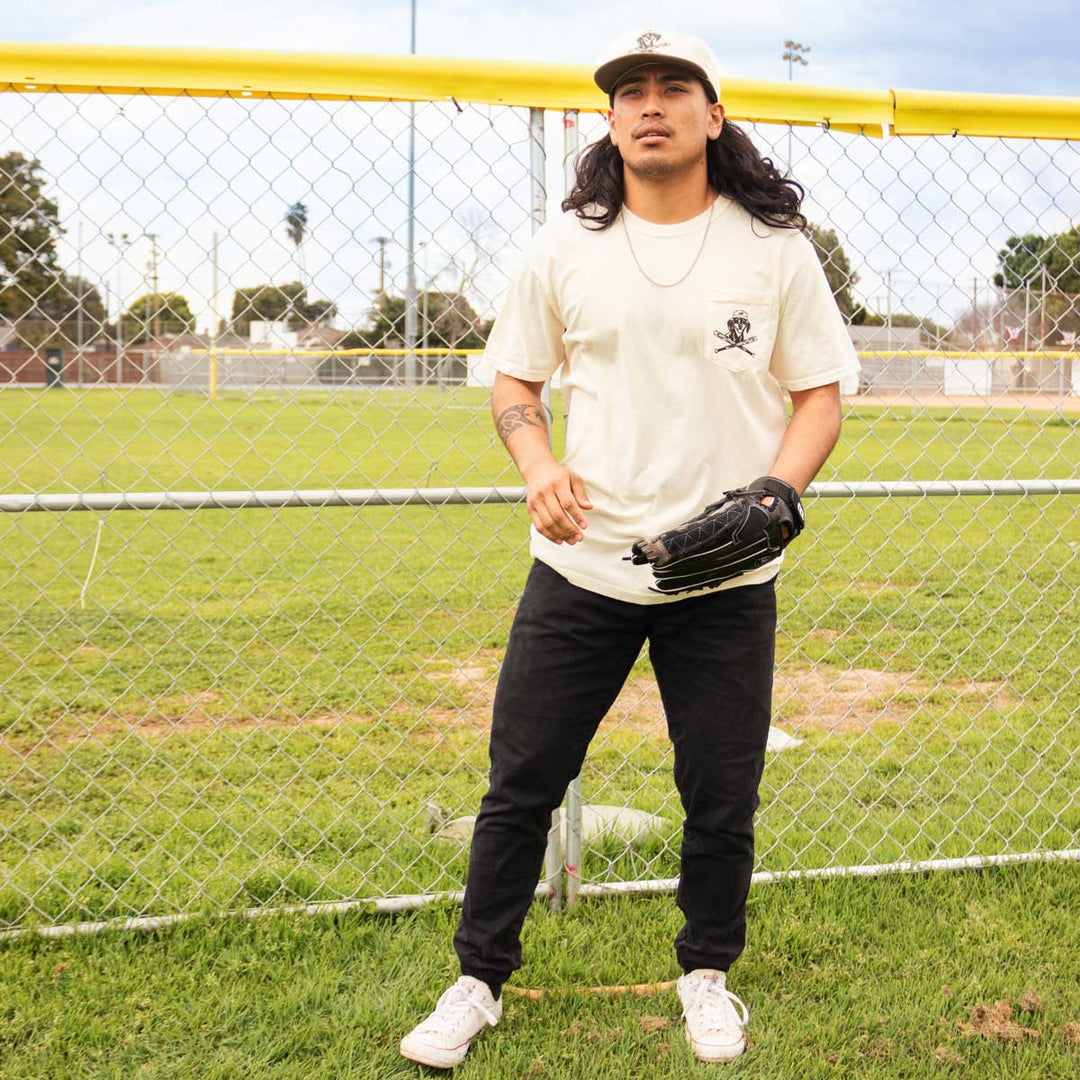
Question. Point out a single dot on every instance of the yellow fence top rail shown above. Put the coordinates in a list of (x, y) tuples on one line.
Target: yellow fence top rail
[(942, 112), (259, 73)]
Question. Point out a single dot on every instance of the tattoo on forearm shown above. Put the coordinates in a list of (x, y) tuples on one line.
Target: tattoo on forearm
[(509, 420)]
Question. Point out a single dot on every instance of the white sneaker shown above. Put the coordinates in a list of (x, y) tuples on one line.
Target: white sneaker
[(463, 1011), (713, 1027)]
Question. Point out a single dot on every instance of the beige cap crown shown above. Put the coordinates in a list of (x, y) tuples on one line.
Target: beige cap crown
[(638, 47)]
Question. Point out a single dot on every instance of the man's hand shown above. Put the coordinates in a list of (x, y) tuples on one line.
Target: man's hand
[(768, 500), (555, 498)]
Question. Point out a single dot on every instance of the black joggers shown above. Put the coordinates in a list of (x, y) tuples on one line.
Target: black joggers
[(569, 653)]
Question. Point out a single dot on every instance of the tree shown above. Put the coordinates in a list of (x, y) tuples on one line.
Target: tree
[(171, 309), (1023, 258), (276, 303), (54, 320), (474, 255), (451, 321), (1053, 294), (29, 229), (837, 269), (296, 226)]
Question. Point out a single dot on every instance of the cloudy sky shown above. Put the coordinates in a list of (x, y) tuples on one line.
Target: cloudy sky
[(977, 45), (922, 221)]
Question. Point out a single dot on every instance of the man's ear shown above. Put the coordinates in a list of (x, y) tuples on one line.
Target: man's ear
[(716, 119), (610, 113)]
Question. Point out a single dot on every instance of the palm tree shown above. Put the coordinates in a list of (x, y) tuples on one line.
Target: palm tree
[(296, 224)]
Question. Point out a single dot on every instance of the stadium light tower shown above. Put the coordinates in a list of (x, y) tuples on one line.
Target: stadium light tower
[(793, 55)]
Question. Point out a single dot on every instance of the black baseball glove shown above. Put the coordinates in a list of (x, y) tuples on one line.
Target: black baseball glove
[(728, 538)]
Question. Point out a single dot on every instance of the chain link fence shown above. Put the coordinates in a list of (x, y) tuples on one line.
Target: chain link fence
[(262, 548)]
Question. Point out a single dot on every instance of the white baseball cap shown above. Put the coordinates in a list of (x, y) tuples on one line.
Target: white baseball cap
[(639, 47)]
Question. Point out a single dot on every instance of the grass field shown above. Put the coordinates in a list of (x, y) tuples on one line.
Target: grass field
[(256, 706), (961, 975)]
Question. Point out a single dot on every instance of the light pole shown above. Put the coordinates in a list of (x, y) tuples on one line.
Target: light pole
[(410, 273), (429, 280), (121, 243), (382, 241), (793, 55), (79, 310), (423, 332)]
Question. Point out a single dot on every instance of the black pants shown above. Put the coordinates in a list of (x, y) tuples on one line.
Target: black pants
[(569, 653)]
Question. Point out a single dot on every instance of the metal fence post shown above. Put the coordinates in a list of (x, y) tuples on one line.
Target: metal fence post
[(537, 216), (571, 144)]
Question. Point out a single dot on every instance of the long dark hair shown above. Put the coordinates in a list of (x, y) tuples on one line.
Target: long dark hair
[(735, 169)]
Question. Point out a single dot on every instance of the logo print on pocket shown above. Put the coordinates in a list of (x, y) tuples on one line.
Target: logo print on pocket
[(738, 327)]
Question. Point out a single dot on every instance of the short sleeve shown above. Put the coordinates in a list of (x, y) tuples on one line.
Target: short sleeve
[(813, 346), (526, 340)]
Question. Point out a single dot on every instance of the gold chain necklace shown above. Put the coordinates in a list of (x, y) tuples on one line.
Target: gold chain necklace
[(701, 248)]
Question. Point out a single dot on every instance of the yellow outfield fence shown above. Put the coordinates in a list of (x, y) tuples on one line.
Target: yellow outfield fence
[(257, 73), (271, 275)]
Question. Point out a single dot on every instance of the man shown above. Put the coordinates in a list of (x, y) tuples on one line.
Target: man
[(680, 296)]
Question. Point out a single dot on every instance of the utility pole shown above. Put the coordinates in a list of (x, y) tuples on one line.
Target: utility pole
[(888, 304), (79, 337), (121, 243), (382, 241), (974, 312), (156, 301), (212, 373), (152, 237), (1042, 311), (793, 55), (410, 270)]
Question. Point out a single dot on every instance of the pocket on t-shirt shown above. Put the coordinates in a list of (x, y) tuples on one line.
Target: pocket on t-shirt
[(740, 328)]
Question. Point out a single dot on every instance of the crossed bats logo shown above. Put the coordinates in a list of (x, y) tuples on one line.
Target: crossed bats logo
[(738, 326), (649, 41)]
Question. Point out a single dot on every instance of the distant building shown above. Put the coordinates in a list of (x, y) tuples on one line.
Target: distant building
[(889, 338)]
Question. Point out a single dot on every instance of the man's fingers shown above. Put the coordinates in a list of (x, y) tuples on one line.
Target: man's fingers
[(562, 518), (570, 506), (578, 487), (545, 519), (555, 506)]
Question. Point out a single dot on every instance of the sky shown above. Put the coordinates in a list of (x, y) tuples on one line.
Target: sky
[(963, 45), (919, 221)]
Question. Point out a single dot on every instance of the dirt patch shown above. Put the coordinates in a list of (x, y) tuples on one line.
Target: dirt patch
[(1071, 1033), (821, 699), (654, 1023), (592, 1035), (944, 1056), (996, 1022), (1029, 1002), (171, 715), (826, 699), (876, 1049)]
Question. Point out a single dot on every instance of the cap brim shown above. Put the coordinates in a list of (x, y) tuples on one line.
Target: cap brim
[(608, 75)]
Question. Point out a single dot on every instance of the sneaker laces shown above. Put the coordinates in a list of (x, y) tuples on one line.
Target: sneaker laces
[(716, 1004), (457, 1002)]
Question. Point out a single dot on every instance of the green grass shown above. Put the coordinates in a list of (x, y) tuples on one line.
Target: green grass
[(248, 708), (876, 978)]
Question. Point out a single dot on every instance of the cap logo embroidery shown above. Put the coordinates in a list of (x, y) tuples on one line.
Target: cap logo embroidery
[(738, 327), (650, 41)]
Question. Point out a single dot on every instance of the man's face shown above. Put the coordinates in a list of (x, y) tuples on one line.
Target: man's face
[(660, 120)]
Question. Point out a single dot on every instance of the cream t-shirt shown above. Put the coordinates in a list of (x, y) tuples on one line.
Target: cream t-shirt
[(673, 395)]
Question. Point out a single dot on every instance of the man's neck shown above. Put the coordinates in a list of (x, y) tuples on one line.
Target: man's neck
[(668, 201)]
